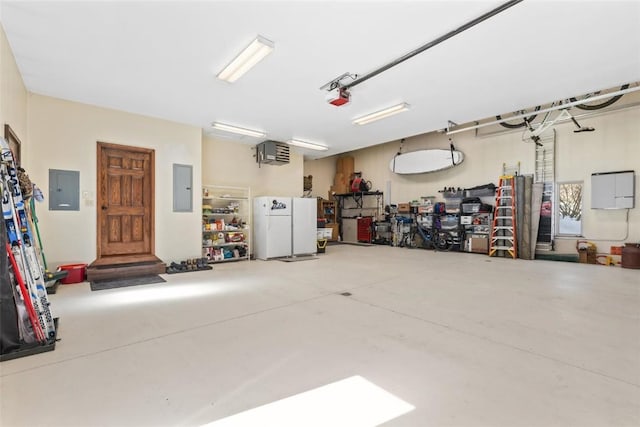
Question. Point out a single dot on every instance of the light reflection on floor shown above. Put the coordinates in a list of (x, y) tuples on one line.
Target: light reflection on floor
[(352, 402), (146, 295)]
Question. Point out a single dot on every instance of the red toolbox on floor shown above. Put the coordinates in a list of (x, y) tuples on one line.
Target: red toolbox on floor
[(364, 229)]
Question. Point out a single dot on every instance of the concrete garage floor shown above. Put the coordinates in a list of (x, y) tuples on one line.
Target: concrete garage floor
[(460, 339)]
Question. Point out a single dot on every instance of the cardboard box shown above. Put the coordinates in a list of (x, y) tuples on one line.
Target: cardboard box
[(587, 256), (335, 230), (341, 189), (479, 245), (340, 184), (404, 208), (345, 165)]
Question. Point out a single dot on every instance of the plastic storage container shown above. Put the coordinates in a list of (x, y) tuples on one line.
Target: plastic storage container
[(324, 233), (76, 273)]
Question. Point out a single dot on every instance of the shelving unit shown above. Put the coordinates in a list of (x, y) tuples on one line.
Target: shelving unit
[(226, 227), (476, 228), (354, 206), (327, 210)]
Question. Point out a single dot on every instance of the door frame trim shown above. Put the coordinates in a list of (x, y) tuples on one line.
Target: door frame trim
[(152, 208)]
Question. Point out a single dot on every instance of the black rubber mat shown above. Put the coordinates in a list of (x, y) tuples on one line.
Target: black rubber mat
[(298, 258), (100, 285)]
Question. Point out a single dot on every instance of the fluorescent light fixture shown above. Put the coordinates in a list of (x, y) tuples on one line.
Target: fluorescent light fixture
[(381, 114), (250, 56), (240, 131), (310, 145)]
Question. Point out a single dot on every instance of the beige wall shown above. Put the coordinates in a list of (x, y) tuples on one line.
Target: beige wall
[(615, 145), (323, 172), (13, 95), (231, 163), (63, 135)]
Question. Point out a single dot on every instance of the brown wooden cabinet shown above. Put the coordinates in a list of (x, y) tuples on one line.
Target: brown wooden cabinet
[(327, 211)]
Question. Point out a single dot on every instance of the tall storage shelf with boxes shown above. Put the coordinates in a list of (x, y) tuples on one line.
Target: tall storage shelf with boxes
[(327, 219), (475, 221), (226, 230)]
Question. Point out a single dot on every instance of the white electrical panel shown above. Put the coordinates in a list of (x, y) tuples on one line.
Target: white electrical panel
[(613, 190)]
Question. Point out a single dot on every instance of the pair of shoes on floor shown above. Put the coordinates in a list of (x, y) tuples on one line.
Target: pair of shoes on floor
[(198, 264), (174, 267), (193, 264), (201, 263)]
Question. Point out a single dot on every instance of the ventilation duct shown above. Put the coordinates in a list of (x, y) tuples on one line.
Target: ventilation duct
[(272, 153)]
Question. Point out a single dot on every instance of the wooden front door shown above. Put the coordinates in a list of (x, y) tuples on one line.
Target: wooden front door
[(125, 203)]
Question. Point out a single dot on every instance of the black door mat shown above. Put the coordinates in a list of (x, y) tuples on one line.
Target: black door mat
[(298, 258), (557, 257), (99, 285), (358, 243)]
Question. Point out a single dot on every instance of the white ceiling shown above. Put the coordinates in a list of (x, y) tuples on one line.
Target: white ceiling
[(160, 59)]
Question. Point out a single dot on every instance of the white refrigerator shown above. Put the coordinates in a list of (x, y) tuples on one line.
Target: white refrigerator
[(304, 223), (272, 227), (284, 226)]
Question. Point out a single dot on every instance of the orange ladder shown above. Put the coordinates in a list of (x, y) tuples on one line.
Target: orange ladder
[(503, 231)]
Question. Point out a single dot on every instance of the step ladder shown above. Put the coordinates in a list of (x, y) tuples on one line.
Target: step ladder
[(503, 230)]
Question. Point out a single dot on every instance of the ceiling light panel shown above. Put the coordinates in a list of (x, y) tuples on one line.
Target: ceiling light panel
[(239, 131), (250, 56), (310, 145), (382, 114)]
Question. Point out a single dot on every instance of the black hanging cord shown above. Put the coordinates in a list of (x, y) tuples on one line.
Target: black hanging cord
[(433, 43), (397, 154), (452, 149)]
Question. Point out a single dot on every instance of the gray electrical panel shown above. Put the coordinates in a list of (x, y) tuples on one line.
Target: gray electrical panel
[(613, 190), (64, 190), (182, 188), (272, 153)]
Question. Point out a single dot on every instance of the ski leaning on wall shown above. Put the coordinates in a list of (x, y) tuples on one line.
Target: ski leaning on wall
[(35, 320)]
